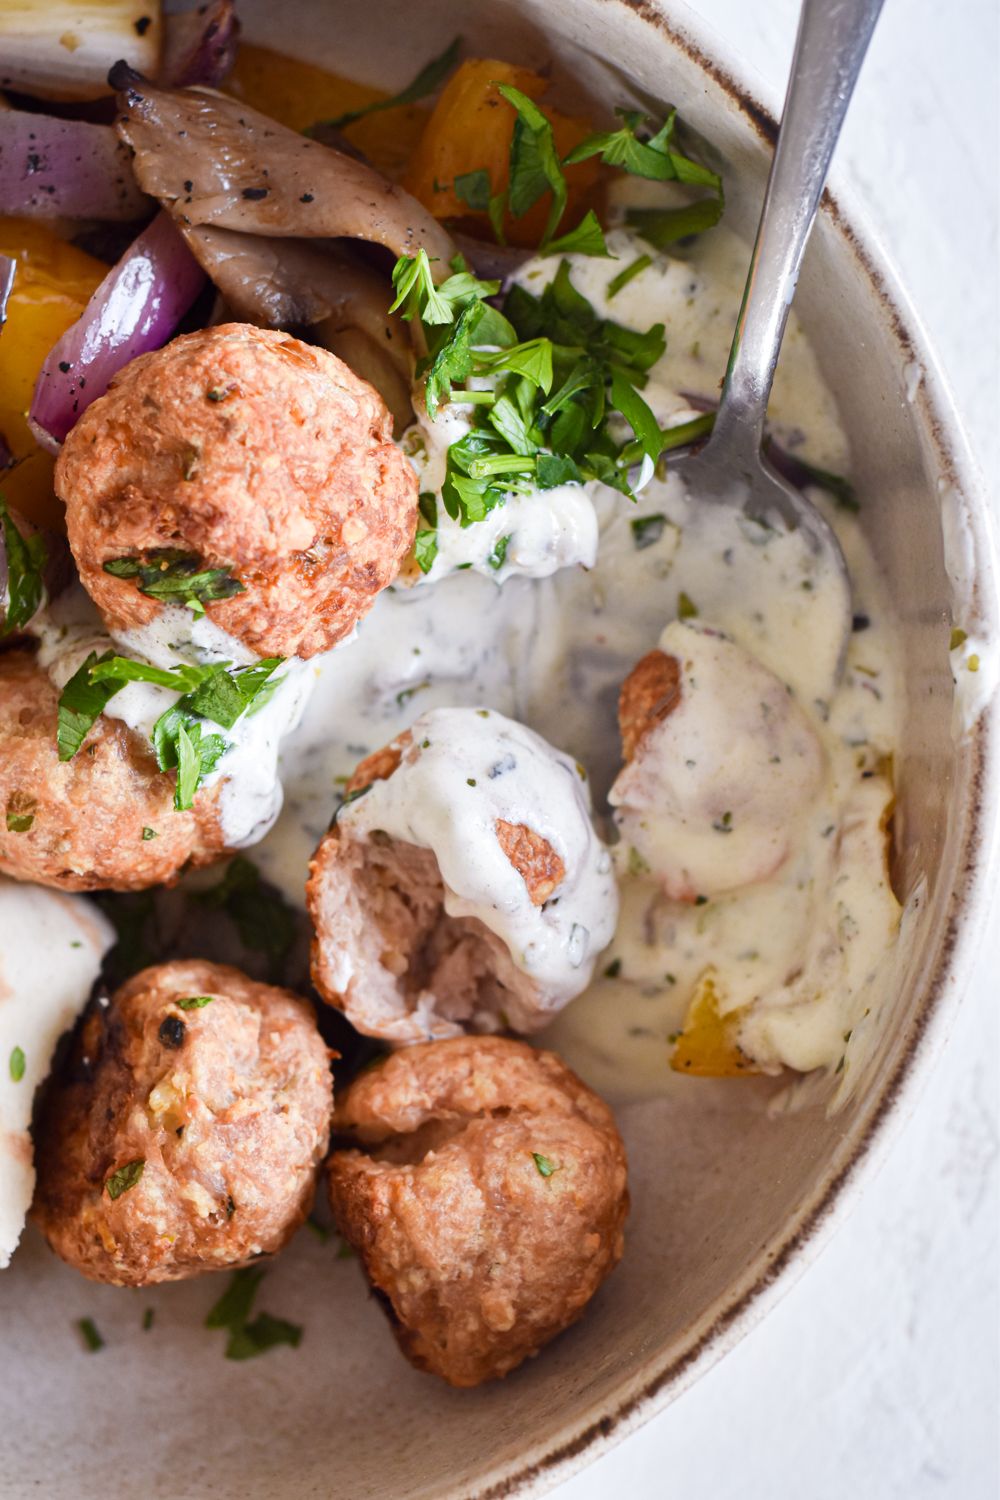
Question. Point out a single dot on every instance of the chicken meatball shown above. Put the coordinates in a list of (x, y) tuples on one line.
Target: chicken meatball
[(721, 765), (104, 820), (486, 1198), (462, 885), (188, 1130), (243, 451)]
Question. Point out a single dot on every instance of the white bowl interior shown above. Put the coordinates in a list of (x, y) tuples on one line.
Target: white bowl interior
[(721, 1191)]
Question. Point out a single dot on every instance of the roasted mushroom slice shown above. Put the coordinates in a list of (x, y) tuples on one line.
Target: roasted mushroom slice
[(486, 1198), (462, 885), (721, 765), (187, 1130), (212, 160)]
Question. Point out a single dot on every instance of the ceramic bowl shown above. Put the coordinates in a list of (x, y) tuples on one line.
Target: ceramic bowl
[(731, 1200)]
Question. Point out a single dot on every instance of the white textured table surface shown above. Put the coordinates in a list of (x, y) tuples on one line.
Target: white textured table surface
[(878, 1376)]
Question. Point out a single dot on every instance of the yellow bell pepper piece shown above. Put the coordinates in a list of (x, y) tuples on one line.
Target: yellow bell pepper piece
[(53, 283), (298, 94), (707, 1047), (471, 128)]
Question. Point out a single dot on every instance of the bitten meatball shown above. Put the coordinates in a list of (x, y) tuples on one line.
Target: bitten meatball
[(721, 765), (462, 885), (104, 820), (246, 451), (487, 1199), (188, 1130)]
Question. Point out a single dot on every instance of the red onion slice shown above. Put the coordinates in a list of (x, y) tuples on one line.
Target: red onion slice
[(200, 45), (136, 308), (70, 168), (7, 269)]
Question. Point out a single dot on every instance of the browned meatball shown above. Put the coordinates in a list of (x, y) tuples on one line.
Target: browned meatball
[(188, 1132), (104, 820), (248, 451), (487, 1199), (650, 692)]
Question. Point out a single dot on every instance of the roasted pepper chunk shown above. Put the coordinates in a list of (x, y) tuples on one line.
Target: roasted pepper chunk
[(53, 282), (299, 95), (470, 130), (708, 1045)]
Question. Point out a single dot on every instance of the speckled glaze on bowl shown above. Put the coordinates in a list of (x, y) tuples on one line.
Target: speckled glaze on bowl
[(730, 1202)]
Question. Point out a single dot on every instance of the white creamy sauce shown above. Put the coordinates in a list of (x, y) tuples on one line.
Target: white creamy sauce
[(51, 947), (796, 953), (467, 770), (538, 613)]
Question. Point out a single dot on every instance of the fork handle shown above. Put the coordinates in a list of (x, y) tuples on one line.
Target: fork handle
[(832, 40)]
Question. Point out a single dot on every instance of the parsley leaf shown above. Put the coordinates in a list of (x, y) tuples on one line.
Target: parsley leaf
[(26, 559), (498, 556), (662, 226), (636, 413), (90, 1334), (639, 151), (425, 549), (194, 1002), (545, 1165), (633, 269), (586, 239), (233, 1310), (233, 1307), (265, 1332), (473, 189), (123, 1179), (176, 576), (427, 81), (647, 530), (16, 1065), (535, 168), (81, 704)]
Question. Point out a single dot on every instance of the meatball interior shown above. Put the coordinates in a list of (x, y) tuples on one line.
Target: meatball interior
[(103, 820), (188, 1131), (253, 453), (486, 1197), (443, 900)]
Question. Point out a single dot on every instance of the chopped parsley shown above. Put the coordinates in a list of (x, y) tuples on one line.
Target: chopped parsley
[(217, 692), (643, 152), (81, 704), (147, 1319), (89, 1333), (647, 530), (613, 969), (545, 1165), (559, 375), (686, 607), (958, 638), (425, 549), (177, 577), (498, 556), (232, 1312), (123, 1179), (427, 81), (16, 1065), (26, 559), (631, 271), (535, 167), (474, 190), (194, 1002), (20, 812), (149, 833)]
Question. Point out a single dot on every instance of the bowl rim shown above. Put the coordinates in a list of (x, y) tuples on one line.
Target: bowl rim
[(641, 1398)]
